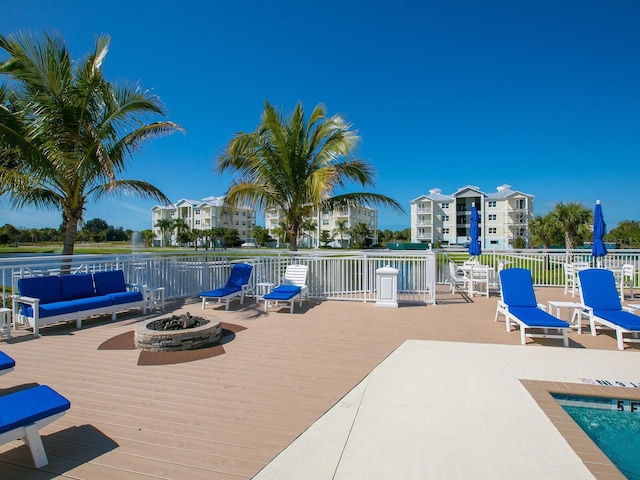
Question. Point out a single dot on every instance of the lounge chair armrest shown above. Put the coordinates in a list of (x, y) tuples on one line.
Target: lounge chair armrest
[(628, 309), (135, 286), (542, 306), (23, 299)]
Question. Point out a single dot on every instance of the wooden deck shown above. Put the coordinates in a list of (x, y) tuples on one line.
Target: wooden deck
[(228, 415)]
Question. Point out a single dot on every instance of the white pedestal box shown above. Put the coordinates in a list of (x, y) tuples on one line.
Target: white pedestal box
[(387, 287)]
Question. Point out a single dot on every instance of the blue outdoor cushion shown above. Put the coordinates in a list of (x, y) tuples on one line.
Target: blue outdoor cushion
[(221, 292), (599, 289), (109, 282), (47, 289), (94, 302), (624, 319), (240, 274), (283, 292), (28, 406), (517, 288), (6, 361), (120, 298), (52, 309), (535, 317), (77, 286)]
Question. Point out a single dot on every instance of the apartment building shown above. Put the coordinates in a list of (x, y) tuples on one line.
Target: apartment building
[(210, 212), (504, 216), (328, 220)]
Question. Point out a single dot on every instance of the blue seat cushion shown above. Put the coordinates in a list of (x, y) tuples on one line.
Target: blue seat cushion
[(125, 297), (625, 319), (517, 287), (6, 361), (28, 406), (221, 292), (47, 289), (240, 274), (109, 282), (77, 286), (535, 317), (283, 292), (52, 309), (599, 289), (94, 302)]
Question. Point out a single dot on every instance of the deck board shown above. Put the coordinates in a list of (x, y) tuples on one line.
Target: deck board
[(229, 415)]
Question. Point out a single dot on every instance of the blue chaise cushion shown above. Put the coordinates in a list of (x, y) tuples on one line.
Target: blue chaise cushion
[(47, 289), (283, 293), (221, 292), (535, 317), (28, 406), (624, 319), (109, 282), (6, 361), (517, 288), (77, 286), (240, 274), (599, 289)]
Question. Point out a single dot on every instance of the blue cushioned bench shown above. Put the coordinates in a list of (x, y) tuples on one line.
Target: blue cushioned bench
[(24, 413), (46, 300)]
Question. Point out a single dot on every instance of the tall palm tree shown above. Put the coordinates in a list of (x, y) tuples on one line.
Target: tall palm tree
[(297, 166), (66, 132), (309, 226), (573, 219), (342, 227), (165, 225), (181, 227)]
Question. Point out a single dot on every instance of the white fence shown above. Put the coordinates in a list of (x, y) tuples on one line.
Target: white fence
[(331, 276)]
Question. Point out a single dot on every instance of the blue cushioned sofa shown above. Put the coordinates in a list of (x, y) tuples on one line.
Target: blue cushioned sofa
[(45, 300)]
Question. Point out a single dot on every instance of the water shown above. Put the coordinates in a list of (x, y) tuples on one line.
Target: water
[(616, 432)]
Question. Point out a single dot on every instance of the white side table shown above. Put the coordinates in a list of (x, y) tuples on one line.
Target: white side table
[(6, 322), (575, 316), (155, 297), (262, 288)]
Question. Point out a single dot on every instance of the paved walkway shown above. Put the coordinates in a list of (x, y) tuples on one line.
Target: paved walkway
[(450, 410)]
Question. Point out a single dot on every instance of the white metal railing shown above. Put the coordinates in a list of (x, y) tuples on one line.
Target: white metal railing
[(331, 276)]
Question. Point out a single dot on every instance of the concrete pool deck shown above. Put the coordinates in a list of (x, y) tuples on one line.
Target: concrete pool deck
[(452, 410)]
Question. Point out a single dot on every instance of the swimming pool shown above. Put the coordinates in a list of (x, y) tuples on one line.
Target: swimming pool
[(613, 424)]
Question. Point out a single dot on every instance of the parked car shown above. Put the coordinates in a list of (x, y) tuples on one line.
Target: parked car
[(248, 245)]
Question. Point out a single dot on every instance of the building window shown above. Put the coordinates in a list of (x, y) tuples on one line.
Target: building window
[(197, 211), (493, 217), (492, 204), (445, 205), (236, 223), (445, 231), (445, 218), (494, 242), (493, 230), (244, 214), (325, 221), (197, 222)]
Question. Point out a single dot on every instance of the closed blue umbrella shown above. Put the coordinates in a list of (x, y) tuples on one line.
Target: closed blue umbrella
[(598, 249), (474, 246)]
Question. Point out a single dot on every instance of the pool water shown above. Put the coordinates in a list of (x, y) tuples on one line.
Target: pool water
[(613, 425)]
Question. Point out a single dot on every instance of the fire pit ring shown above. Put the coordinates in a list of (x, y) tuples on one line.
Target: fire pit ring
[(205, 335)]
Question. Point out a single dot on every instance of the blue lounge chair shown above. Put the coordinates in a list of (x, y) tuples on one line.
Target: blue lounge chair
[(24, 413), (237, 286), (6, 363), (519, 305), (601, 301), (293, 288)]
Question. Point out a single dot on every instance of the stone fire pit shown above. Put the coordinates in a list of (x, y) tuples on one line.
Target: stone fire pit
[(176, 333)]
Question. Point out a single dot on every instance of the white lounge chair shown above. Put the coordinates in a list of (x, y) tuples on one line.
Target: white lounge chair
[(518, 304), (601, 301), (294, 287)]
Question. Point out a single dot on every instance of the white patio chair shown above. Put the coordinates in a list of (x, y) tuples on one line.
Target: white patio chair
[(570, 278), (457, 277), (479, 277), (627, 278)]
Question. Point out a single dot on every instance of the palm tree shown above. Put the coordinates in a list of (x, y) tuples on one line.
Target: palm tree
[(66, 133), (360, 232), (308, 227), (573, 219), (295, 166), (342, 227), (165, 225), (545, 231), (181, 227)]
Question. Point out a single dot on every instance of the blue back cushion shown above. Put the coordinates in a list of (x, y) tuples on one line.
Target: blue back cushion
[(240, 274), (598, 289), (77, 286), (109, 282), (47, 289), (517, 288)]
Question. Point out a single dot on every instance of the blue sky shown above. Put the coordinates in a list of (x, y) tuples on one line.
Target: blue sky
[(543, 96)]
